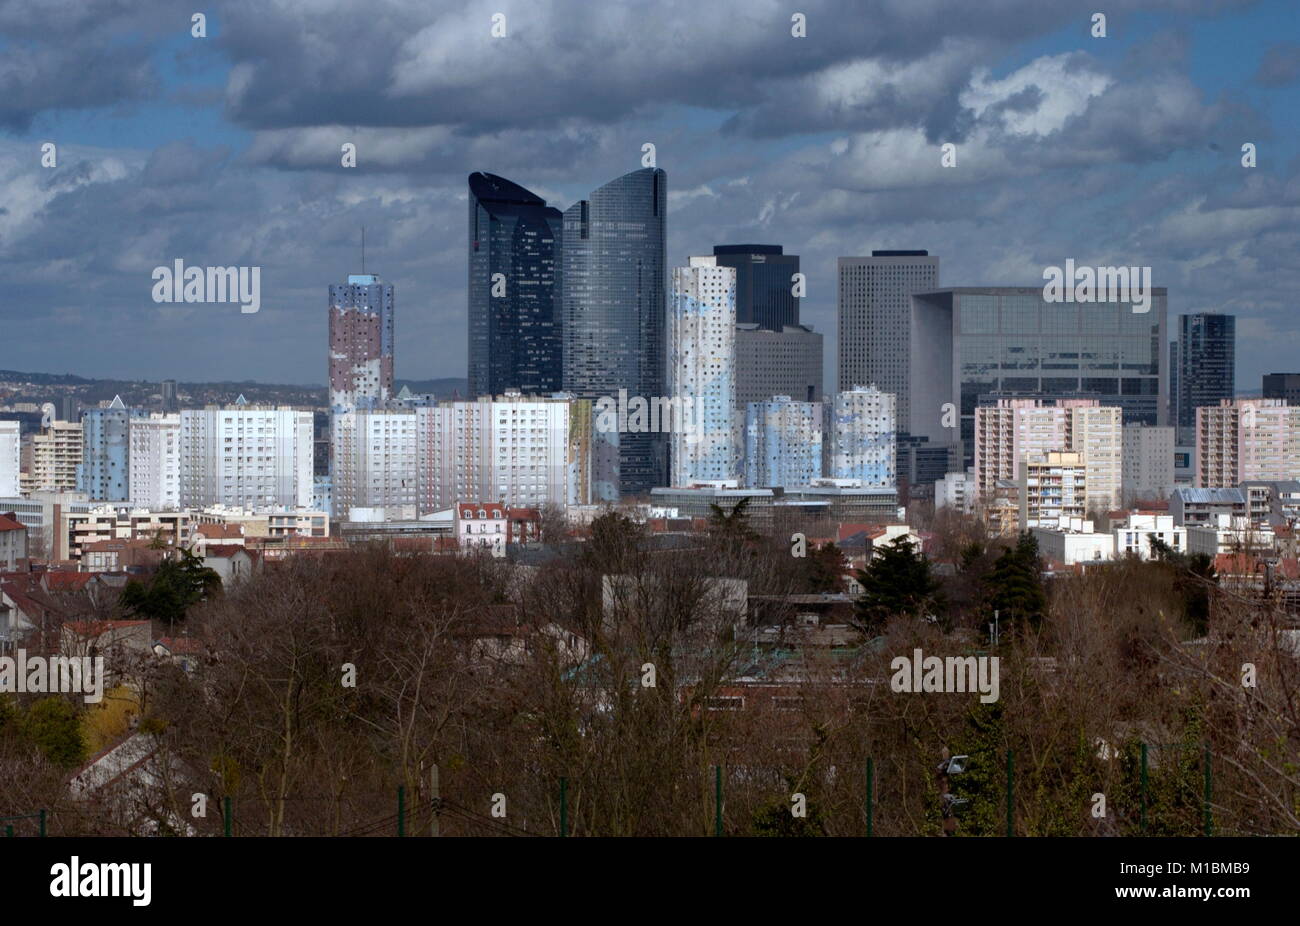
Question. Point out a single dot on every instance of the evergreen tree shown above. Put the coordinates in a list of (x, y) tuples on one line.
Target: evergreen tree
[(1014, 586), (896, 581), (52, 725)]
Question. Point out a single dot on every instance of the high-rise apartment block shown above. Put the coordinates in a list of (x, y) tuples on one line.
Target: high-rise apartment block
[(55, 458), (785, 362), (874, 310), (783, 442), (1148, 462), (104, 473), (1247, 440), (515, 319), (1052, 486), (246, 456), (375, 462), (10, 458), (860, 436), (361, 343), (155, 462), (701, 372), (1206, 374), (765, 284), (513, 449)]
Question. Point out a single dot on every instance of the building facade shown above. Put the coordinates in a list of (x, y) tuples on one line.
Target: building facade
[(247, 456), (361, 343), (1247, 440), (1206, 372), (783, 443), (614, 308), (1148, 462), (155, 462), (784, 362), (515, 317), (104, 473), (701, 372), (375, 463), (1285, 386), (765, 284), (55, 458), (861, 438), (10, 458)]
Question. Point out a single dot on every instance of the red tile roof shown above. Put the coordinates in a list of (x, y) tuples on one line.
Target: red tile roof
[(9, 522), (66, 581), (225, 550)]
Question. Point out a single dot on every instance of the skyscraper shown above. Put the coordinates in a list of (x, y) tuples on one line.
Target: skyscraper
[(764, 283), (170, 403), (613, 299), (514, 289), (861, 436), (783, 443), (104, 471), (155, 462), (1244, 440), (1206, 366), (1282, 386), (701, 372), (874, 311), (361, 343), (974, 343), (786, 362), (247, 455)]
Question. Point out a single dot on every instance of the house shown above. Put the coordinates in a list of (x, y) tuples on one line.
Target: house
[(204, 535), (492, 526), (232, 562), (115, 640), (13, 542), (121, 556)]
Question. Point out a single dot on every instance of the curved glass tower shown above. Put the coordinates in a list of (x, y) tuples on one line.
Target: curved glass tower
[(614, 308), (514, 289)]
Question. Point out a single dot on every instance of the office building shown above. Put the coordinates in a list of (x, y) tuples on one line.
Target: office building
[(515, 318), (874, 312), (785, 362), (246, 456), (765, 284), (361, 343), (860, 437), (1285, 386), (155, 462), (783, 442), (1206, 366), (701, 372), (985, 343), (614, 308)]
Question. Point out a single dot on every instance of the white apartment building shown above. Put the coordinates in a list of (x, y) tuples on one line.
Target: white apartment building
[(861, 437), (1097, 432), (783, 442), (375, 462), (956, 491), (1229, 535), (1052, 486), (1148, 469), (154, 461), (512, 449), (56, 454), (245, 455), (1247, 440), (10, 458), (702, 372), (1134, 535)]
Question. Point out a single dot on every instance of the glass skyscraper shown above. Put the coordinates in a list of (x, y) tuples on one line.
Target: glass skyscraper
[(614, 308), (1206, 355), (764, 284), (971, 344), (514, 289)]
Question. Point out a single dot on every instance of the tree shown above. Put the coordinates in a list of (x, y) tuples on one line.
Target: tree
[(823, 569), (1015, 585), (897, 581), (52, 725), (176, 586), (731, 524)]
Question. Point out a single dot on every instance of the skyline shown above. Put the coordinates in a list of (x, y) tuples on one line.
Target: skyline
[(225, 150)]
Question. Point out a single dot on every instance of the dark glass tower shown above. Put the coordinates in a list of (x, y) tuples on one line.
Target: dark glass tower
[(514, 289), (1207, 351), (615, 309), (764, 284)]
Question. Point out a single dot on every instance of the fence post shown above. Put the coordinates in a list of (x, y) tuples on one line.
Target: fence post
[(1142, 820), (871, 796), (1010, 794), (1209, 793)]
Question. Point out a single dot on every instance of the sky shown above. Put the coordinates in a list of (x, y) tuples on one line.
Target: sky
[(226, 150)]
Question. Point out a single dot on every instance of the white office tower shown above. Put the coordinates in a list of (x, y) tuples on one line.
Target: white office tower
[(783, 443), (10, 457), (154, 462), (247, 456), (512, 449), (861, 434), (702, 372), (375, 463)]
